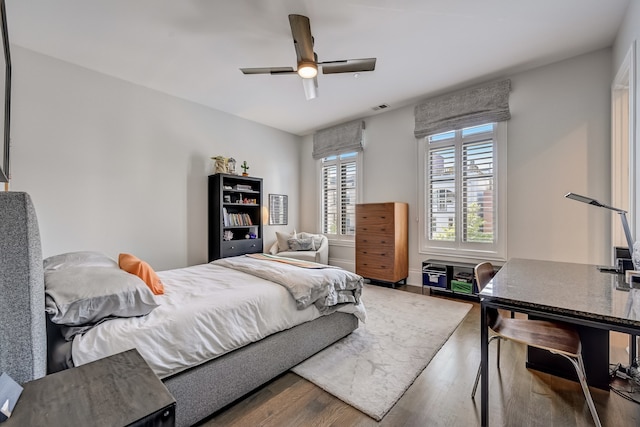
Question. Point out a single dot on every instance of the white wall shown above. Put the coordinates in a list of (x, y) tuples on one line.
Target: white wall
[(116, 167), (558, 141), (628, 33)]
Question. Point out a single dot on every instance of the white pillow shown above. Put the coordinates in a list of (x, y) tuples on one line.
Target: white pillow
[(78, 259), (283, 240)]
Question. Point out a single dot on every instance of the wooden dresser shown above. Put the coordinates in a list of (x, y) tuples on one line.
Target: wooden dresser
[(382, 241)]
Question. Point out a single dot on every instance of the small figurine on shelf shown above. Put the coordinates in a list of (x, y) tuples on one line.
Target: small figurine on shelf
[(244, 168), (231, 166), (219, 164)]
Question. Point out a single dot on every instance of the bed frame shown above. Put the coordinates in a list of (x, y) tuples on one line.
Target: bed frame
[(199, 391)]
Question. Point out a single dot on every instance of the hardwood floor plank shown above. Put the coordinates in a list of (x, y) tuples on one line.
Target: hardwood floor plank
[(441, 395)]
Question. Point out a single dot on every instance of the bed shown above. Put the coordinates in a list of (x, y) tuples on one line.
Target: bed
[(282, 327)]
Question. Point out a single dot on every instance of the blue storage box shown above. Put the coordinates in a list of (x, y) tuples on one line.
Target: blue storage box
[(434, 275)]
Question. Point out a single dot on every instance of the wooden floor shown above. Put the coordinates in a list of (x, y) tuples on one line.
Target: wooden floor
[(441, 395)]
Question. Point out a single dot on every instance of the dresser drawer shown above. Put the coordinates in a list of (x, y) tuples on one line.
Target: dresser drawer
[(375, 229), (377, 272), (375, 240), (370, 249), (375, 214), (241, 247), (375, 257)]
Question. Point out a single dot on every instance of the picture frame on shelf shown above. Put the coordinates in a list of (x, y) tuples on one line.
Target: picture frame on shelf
[(278, 209)]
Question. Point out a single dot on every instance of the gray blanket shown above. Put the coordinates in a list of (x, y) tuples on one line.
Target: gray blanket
[(327, 288)]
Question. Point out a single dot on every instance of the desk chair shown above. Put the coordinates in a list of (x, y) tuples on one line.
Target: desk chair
[(555, 337)]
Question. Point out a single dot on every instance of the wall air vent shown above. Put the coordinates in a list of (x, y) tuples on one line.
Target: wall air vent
[(380, 107)]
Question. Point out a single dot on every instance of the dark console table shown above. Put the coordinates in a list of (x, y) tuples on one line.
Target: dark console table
[(580, 294), (120, 390)]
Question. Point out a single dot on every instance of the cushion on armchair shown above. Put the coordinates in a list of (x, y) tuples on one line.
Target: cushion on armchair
[(283, 240), (303, 246)]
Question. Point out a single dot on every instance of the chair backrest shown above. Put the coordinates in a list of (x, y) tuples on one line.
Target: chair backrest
[(23, 338), (484, 273)]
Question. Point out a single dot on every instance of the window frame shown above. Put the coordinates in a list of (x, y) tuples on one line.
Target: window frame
[(339, 239), (496, 251)]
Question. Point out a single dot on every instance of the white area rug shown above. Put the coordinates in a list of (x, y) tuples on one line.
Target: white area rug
[(372, 367)]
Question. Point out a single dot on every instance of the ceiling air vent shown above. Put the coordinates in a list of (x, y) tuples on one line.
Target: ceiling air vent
[(380, 107)]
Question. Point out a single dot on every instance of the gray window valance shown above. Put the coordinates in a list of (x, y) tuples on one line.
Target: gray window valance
[(344, 138), (468, 107)]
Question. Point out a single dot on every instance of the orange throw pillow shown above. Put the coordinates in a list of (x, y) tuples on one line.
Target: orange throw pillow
[(134, 265)]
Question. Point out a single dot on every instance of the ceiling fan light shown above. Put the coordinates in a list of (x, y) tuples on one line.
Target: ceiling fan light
[(307, 70), (310, 88)]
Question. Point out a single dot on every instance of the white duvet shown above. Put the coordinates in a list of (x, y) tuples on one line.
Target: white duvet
[(207, 310)]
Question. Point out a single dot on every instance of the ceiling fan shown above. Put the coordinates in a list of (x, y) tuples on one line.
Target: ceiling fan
[(308, 64)]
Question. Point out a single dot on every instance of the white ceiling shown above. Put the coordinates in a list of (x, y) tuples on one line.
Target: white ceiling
[(193, 49)]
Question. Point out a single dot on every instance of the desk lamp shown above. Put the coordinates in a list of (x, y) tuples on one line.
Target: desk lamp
[(622, 213)]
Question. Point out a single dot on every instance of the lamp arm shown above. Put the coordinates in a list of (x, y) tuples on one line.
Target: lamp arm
[(627, 231)]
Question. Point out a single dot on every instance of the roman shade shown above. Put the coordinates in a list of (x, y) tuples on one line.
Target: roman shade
[(339, 139), (468, 107)]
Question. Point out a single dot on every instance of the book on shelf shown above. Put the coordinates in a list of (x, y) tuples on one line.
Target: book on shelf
[(243, 187), (236, 219), (225, 217)]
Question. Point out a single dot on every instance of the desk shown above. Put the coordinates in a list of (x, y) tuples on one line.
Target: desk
[(574, 293)]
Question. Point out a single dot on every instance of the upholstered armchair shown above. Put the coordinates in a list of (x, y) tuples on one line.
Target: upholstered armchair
[(302, 246)]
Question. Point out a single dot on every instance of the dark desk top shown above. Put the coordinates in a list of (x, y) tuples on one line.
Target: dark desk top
[(114, 391), (578, 290)]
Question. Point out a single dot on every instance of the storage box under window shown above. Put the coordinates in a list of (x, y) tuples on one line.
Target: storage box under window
[(462, 287), (434, 275)]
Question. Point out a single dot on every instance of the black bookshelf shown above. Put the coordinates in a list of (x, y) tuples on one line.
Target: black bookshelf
[(235, 215)]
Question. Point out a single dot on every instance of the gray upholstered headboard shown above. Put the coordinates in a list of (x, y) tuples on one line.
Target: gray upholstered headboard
[(23, 337)]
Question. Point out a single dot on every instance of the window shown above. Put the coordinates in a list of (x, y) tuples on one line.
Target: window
[(461, 206), (339, 180)]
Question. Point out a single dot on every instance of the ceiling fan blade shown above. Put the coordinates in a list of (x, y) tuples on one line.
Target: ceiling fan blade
[(302, 39), (268, 70), (310, 88), (348, 66), (307, 60)]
